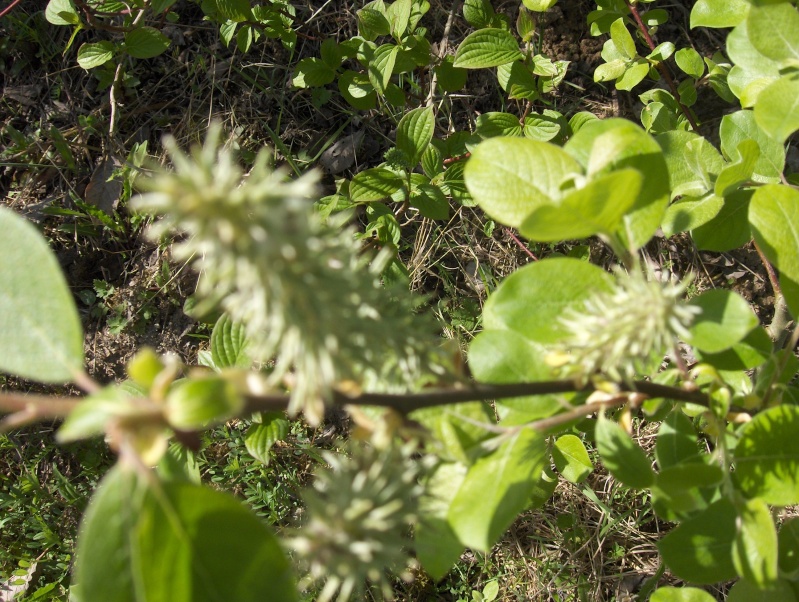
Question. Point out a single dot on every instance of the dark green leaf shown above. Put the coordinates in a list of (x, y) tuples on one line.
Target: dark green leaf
[(145, 42), (487, 48), (414, 132), (699, 550)]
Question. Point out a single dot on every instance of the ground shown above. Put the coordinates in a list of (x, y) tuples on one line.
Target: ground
[(591, 542)]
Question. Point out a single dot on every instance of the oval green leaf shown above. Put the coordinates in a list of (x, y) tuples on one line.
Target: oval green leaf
[(145, 43), (414, 132), (774, 217), (622, 456), (261, 436), (510, 177), (40, 331), (571, 458), (487, 48), (229, 344), (175, 542), (94, 55), (726, 319)]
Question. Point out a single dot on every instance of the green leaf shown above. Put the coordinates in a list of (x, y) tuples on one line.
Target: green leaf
[(718, 13), (730, 228), (539, 6), (692, 162), (94, 55), (311, 73), (754, 551), (91, 415), (777, 108), (496, 489), (200, 402), (357, 90), (382, 66), (542, 127), (458, 428), (788, 538), (234, 10), (145, 42), (726, 319), (746, 591), (689, 213), (751, 71), (518, 81), (742, 126), (774, 217), (773, 29), (749, 353), (625, 460), (372, 23), (597, 208), (414, 132), (177, 542), (610, 71), (662, 52), (608, 145), (571, 458), (491, 125), (740, 171), (40, 331), (428, 198), (61, 12), (676, 442), (244, 38), (680, 594), (487, 48), (229, 344), (690, 61), (622, 40), (504, 356), (437, 547), (551, 287), (478, 13), (510, 177), (449, 77), (399, 15), (374, 184), (678, 489), (633, 76), (261, 436), (699, 550), (767, 456)]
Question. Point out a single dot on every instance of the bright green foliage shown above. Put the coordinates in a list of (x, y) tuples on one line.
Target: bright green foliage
[(147, 540), (571, 458), (487, 48), (680, 594), (496, 488), (726, 318), (266, 430), (42, 338), (754, 550), (229, 344)]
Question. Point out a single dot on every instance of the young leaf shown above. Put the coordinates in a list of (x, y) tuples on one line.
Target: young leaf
[(493, 124), (357, 90), (699, 550), (496, 489), (177, 541), (261, 436), (774, 215), (487, 48), (372, 23), (746, 591), (145, 42), (571, 458), (730, 228), (510, 177), (690, 61), (622, 40), (690, 212), (726, 318), (767, 456), (40, 331), (754, 550), (531, 300), (621, 455), (414, 132), (398, 14), (740, 171), (235, 10), (229, 344), (382, 66), (539, 6), (96, 54)]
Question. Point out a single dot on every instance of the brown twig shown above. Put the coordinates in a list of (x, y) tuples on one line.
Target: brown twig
[(520, 244), (9, 8)]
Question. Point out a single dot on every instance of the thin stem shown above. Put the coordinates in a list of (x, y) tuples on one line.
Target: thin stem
[(9, 8), (521, 245), (661, 65)]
